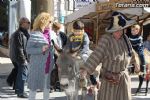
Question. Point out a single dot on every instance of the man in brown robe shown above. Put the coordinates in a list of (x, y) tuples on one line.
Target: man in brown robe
[(115, 53)]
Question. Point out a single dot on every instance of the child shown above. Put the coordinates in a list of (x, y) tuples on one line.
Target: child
[(136, 40), (78, 41)]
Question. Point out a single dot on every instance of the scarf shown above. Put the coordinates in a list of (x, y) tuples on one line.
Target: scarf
[(47, 36)]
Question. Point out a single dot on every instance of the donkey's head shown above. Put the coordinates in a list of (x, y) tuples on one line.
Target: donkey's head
[(67, 68)]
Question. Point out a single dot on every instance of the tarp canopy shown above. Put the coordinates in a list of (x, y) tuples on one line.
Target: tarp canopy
[(90, 12), (81, 12), (135, 11)]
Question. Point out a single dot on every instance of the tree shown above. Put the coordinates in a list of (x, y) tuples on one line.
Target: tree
[(4, 15)]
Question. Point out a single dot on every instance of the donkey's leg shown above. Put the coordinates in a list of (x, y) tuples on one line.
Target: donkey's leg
[(84, 92), (141, 79), (146, 91), (69, 96), (72, 96), (75, 95)]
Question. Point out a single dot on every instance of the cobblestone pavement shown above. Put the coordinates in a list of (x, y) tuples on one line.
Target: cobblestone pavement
[(6, 92)]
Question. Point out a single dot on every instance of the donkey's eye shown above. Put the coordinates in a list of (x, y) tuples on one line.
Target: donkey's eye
[(70, 66)]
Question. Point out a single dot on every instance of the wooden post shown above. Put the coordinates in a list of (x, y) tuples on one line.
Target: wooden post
[(97, 28)]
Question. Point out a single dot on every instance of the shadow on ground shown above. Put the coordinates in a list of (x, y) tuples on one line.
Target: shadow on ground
[(2, 55), (5, 90), (79, 98)]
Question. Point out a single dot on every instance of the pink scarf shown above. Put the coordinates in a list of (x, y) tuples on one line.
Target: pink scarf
[(47, 36)]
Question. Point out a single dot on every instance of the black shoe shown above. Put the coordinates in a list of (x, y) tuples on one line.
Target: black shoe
[(9, 83), (14, 87), (24, 95), (51, 90)]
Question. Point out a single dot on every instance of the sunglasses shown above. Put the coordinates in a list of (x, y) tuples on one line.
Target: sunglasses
[(27, 22), (51, 22)]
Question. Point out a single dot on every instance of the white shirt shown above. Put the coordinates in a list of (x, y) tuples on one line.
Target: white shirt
[(57, 39)]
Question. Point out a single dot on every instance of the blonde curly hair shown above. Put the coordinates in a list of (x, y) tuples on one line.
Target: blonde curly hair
[(41, 21), (136, 26)]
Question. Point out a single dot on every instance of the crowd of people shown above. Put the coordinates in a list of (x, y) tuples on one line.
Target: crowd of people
[(34, 54)]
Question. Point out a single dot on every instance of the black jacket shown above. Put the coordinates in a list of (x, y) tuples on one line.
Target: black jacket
[(18, 43), (63, 38)]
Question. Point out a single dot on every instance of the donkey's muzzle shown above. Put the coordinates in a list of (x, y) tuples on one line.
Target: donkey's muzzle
[(64, 83)]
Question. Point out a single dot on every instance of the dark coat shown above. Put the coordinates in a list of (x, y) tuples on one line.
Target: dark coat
[(18, 42), (63, 38)]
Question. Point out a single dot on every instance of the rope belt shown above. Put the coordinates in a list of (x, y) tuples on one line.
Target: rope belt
[(112, 77)]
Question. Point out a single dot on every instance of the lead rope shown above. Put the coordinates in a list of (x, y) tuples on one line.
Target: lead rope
[(129, 49)]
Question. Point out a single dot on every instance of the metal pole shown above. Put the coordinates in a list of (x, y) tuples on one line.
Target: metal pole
[(73, 5)]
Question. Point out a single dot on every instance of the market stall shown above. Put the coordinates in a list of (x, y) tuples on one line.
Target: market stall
[(99, 15)]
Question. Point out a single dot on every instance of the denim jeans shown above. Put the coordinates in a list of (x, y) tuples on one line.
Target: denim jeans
[(142, 60), (21, 78)]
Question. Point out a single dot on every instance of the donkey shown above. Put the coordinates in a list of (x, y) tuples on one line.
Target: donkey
[(147, 76), (69, 75), (71, 79)]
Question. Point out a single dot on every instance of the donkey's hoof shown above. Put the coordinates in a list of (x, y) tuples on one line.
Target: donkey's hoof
[(136, 94), (137, 91)]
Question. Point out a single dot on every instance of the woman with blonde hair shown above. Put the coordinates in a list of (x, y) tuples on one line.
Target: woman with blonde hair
[(39, 49)]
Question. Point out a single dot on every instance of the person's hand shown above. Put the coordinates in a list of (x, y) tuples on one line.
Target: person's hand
[(137, 68), (98, 85), (45, 48), (83, 72), (146, 49), (25, 63), (60, 50)]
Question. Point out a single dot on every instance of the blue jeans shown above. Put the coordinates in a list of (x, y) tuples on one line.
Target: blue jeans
[(142, 60), (21, 78)]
